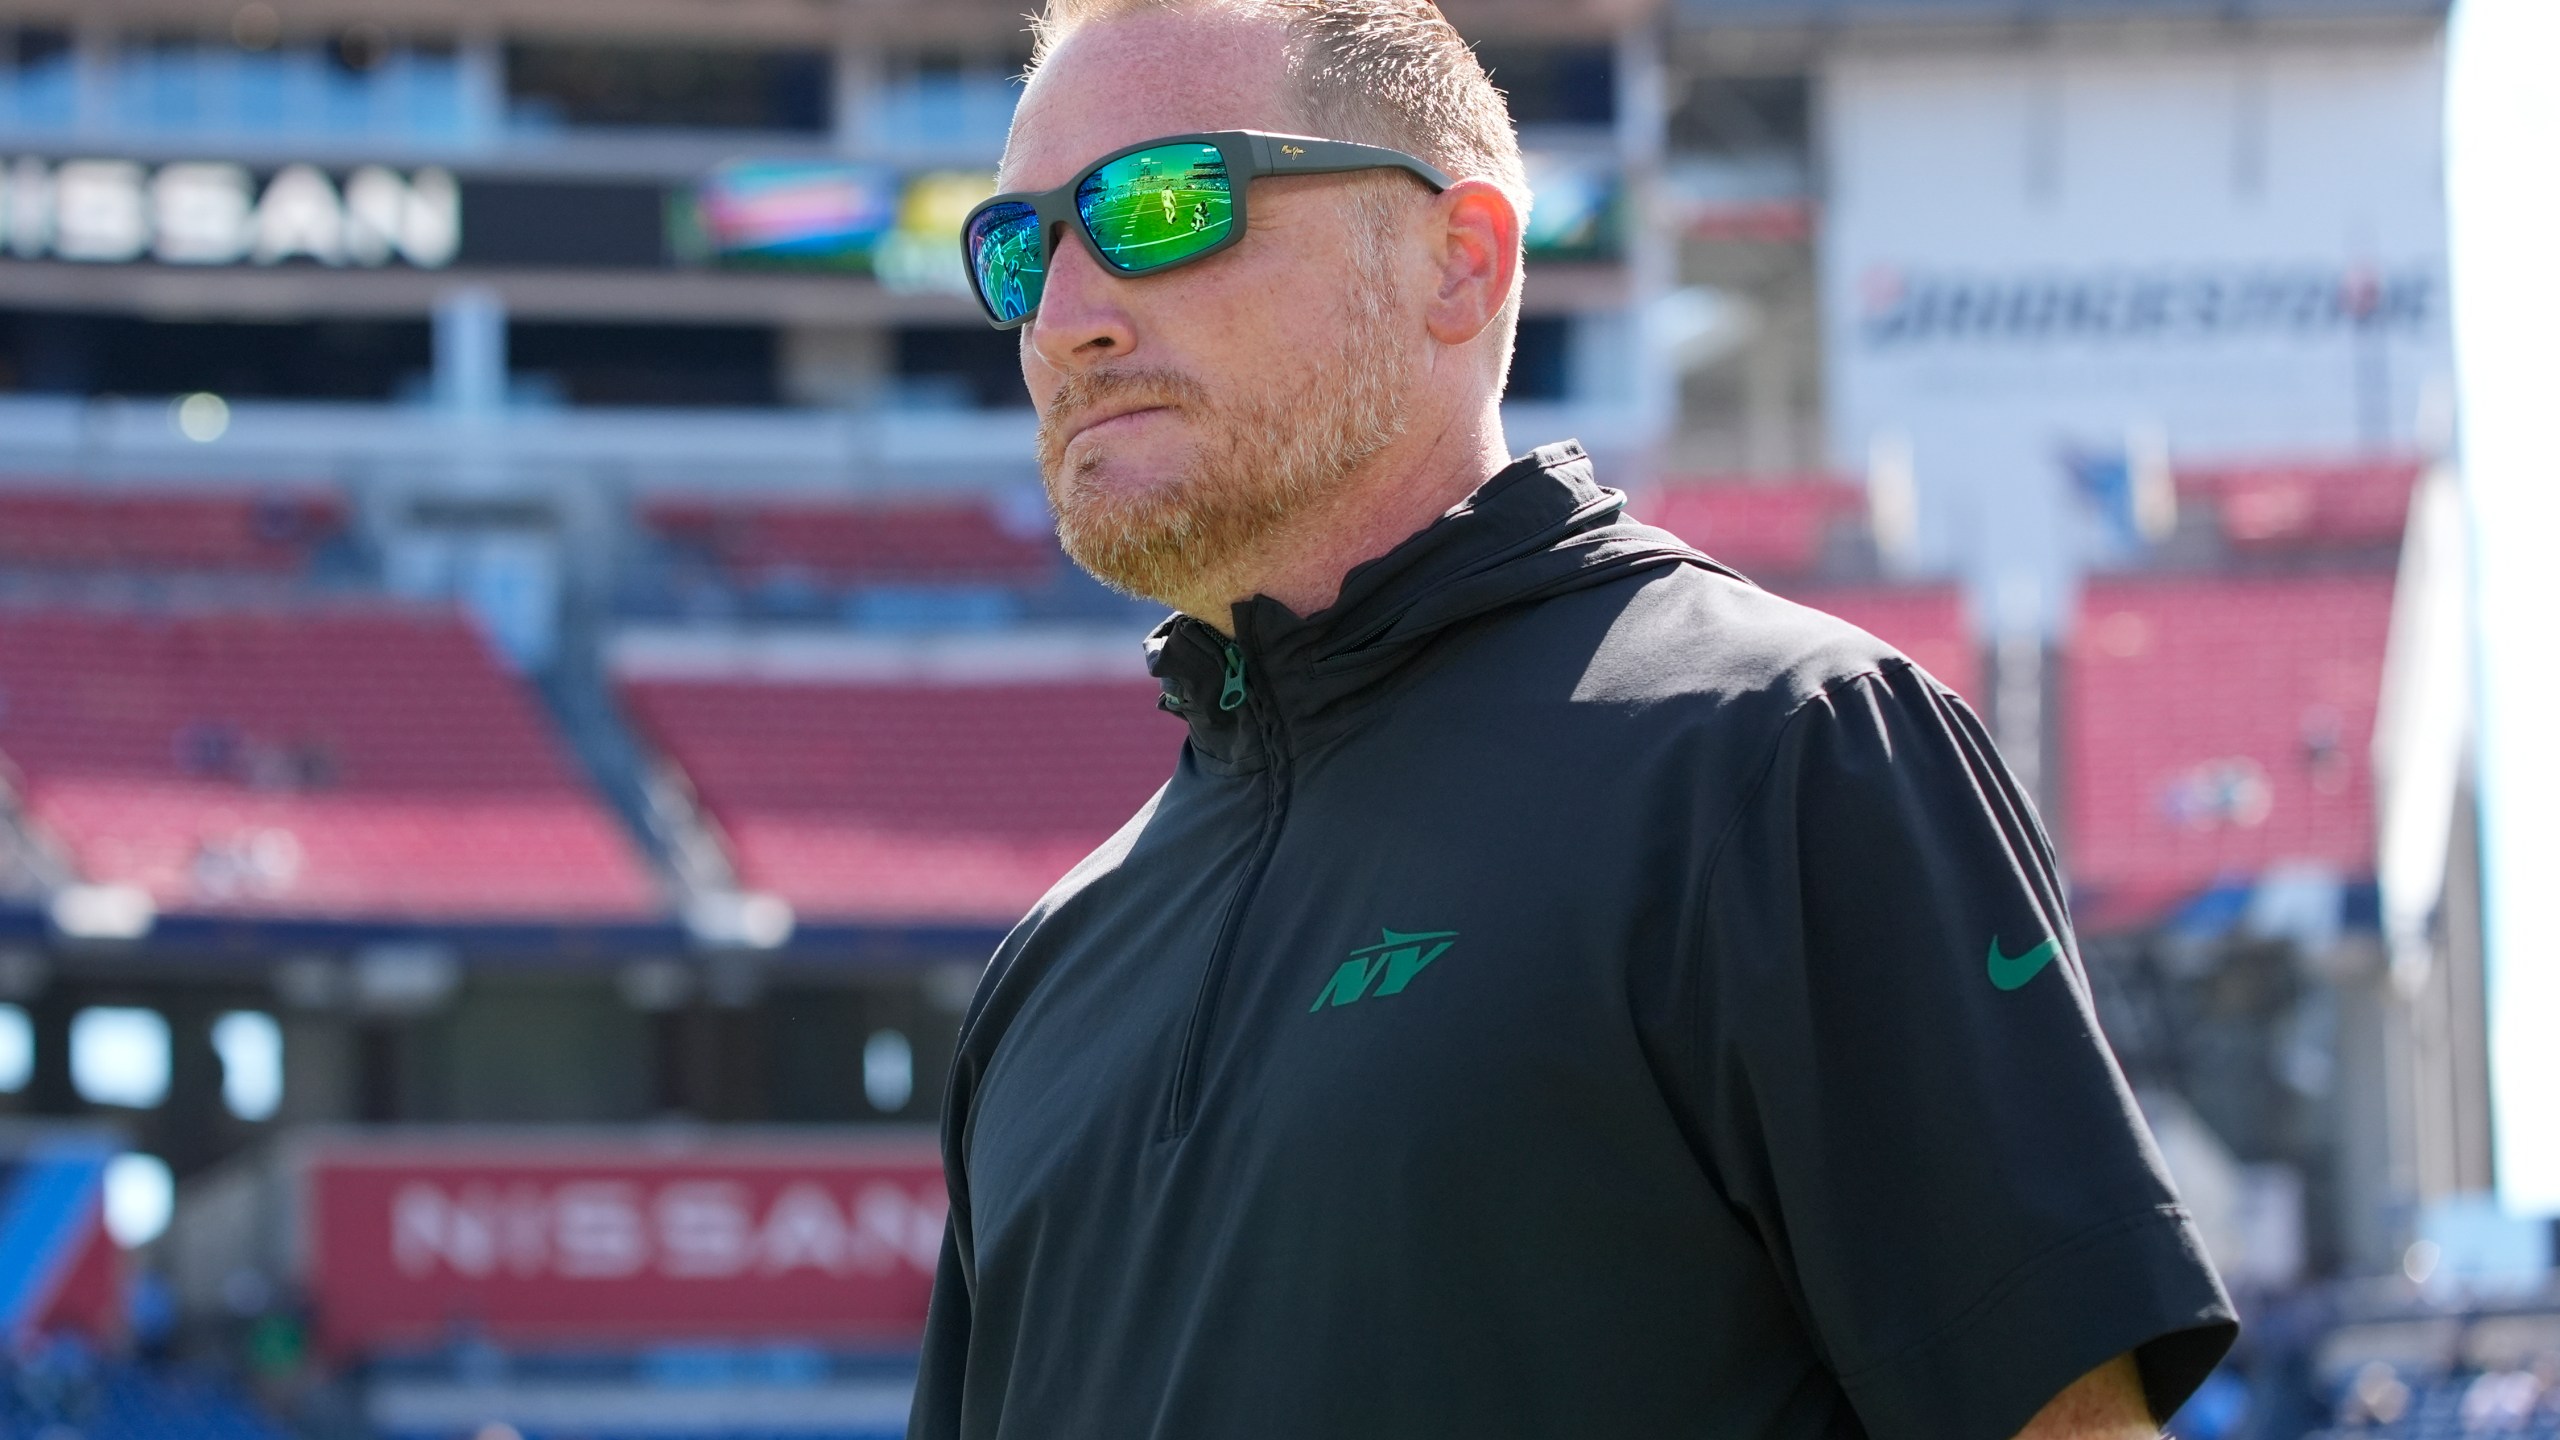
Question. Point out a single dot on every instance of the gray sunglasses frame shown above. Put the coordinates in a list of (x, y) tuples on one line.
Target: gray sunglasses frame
[(1249, 155)]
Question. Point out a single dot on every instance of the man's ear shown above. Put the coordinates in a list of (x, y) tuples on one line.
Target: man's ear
[(1476, 249)]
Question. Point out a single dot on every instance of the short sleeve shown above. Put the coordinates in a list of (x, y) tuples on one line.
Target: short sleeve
[(1905, 1091), (942, 1363)]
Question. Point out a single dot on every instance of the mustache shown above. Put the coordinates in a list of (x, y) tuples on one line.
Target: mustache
[(1081, 394)]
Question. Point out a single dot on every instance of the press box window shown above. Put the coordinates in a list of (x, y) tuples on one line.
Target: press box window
[(1743, 115), (1555, 84), (938, 100), (1541, 361), (76, 353), (959, 367), (614, 364), (682, 87), (37, 78), (261, 77)]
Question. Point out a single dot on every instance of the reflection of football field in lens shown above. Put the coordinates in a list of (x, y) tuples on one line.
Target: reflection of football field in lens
[(1133, 230), (1012, 274)]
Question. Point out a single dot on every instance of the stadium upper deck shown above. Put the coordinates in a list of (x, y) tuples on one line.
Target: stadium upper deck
[(522, 205)]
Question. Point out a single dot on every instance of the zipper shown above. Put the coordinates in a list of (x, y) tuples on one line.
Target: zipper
[(1231, 691), (1233, 694)]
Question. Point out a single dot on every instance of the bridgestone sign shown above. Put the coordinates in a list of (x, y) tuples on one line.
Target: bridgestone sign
[(1903, 307), (218, 213)]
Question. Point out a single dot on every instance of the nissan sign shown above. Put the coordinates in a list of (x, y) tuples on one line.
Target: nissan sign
[(218, 213), (620, 1241)]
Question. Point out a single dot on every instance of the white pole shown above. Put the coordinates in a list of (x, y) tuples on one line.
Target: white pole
[(2505, 209)]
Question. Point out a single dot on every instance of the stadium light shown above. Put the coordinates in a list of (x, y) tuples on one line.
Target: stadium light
[(120, 1056), (141, 1197), (203, 417), (102, 912), (404, 977), (741, 920), (17, 1049), (888, 1071), (251, 1045)]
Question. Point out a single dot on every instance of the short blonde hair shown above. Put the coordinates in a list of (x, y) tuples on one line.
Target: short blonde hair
[(1382, 72)]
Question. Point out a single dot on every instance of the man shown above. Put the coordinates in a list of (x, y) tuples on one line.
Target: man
[(1562, 990)]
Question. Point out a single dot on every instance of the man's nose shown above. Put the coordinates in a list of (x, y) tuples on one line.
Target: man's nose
[(1081, 321)]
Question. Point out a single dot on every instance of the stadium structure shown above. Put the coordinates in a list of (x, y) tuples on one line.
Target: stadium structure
[(533, 669)]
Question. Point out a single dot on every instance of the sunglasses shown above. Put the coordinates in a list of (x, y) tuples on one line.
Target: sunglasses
[(1147, 208)]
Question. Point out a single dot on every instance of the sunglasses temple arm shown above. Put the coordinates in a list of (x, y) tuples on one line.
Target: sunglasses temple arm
[(1288, 155)]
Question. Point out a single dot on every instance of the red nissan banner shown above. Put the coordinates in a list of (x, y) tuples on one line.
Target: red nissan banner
[(608, 1241)]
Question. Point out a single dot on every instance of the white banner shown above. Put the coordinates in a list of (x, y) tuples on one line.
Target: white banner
[(2230, 244)]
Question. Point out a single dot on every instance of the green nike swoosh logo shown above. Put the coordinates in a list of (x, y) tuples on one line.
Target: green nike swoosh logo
[(2008, 972)]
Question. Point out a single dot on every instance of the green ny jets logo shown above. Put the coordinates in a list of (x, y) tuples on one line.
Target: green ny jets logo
[(1390, 965)]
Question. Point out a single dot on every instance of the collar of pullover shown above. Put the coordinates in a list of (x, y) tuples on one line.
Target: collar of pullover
[(1542, 526)]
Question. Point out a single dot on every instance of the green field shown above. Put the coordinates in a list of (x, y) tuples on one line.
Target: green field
[(1011, 272), (1147, 226)]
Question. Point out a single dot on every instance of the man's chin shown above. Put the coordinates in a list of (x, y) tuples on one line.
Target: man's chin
[(1133, 527), (1124, 471), (1113, 501)]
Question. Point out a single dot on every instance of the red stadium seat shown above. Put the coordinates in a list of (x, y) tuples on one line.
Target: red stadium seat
[(372, 763), (911, 802), (2290, 505), (1758, 527), (2218, 727), (1925, 622), (843, 543), (265, 532)]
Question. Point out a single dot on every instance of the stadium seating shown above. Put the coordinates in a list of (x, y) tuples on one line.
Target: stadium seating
[(355, 762), (910, 802), (1925, 622), (842, 543), (2218, 727), (1760, 527), (2290, 505), (1779, 532), (264, 532), (55, 1388), (141, 1404), (2507, 1405)]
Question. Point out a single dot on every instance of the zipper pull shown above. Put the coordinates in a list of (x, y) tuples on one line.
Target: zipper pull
[(1231, 693)]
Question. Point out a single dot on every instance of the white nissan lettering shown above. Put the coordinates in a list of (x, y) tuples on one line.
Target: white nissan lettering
[(706, 1228), (218, 213), (805, 1228), (692, 1229), (598, 1230), (97, 211), (200, 214)]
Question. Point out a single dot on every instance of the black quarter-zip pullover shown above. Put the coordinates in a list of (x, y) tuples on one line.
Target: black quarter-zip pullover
[(1563, 990)]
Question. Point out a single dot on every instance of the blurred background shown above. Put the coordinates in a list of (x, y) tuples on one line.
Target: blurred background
[(533, 669)]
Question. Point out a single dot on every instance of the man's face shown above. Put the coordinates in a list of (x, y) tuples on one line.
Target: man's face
[(1188, 416)]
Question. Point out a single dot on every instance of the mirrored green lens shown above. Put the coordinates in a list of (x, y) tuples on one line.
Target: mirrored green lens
[(1157, 207), (1004, 254)]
